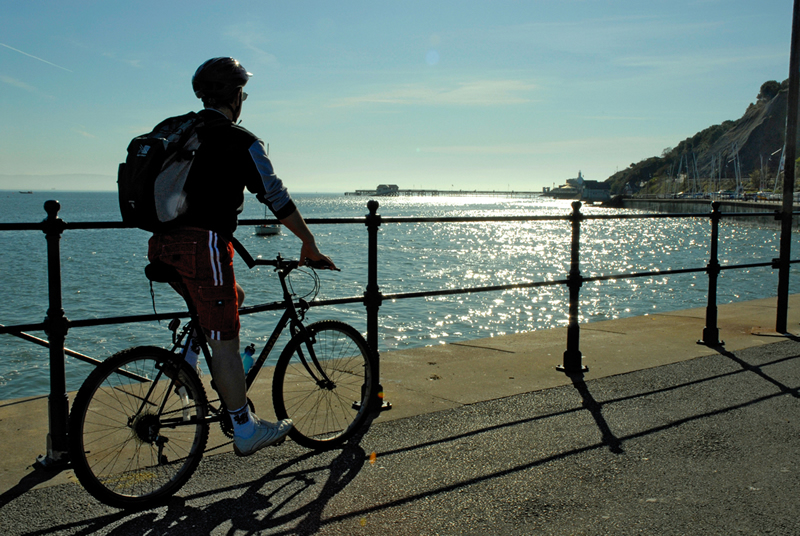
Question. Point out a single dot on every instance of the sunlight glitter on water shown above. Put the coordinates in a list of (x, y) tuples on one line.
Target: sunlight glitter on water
[(102, 273)]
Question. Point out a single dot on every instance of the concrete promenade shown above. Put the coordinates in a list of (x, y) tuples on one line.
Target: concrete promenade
[(661, 436)]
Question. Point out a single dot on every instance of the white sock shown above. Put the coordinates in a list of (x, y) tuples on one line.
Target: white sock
[(244, 425), (192, 353)]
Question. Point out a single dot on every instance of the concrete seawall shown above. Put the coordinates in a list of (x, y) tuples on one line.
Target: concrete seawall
[(703, 206), (445, 377)]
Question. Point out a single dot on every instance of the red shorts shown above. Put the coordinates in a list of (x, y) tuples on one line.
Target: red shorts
[(205, 261)]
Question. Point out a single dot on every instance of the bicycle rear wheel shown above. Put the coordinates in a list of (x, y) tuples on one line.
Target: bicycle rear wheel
[(135, 435), (330, 403)]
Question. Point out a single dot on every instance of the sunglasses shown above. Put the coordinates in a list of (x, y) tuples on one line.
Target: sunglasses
[(244, 96)]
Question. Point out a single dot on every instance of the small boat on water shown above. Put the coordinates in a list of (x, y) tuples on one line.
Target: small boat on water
[(268, 229)]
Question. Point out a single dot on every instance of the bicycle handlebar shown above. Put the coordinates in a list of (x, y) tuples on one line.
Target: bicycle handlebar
[(290, 264), (278, 262)]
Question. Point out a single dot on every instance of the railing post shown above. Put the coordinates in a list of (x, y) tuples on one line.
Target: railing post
[(572, 356), (711, 331), (373, 297), (781, 319), (56, 330)]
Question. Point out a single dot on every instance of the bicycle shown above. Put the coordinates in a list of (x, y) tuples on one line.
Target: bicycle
[(140, 421)]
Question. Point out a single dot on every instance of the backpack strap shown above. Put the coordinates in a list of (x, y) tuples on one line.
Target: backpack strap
[(243, 253)]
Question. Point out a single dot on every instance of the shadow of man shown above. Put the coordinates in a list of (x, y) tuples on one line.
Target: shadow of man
[(274, 500)]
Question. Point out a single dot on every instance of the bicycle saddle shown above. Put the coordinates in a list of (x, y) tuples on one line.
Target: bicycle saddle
[(161, 273)]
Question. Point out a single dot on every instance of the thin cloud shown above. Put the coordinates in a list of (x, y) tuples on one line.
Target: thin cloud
[(18, 84), (569, 147), (84, 133), (597, 36), (476, 93), (617, 118), (701, 62), (111, 55), (22, 85), (252, 37), (35, 57), (136, 64)]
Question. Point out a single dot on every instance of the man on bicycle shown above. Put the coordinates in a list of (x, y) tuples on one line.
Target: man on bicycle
[(229, 159)]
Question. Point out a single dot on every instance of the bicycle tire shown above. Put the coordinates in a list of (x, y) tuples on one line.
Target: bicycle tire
[(325, 416), (125, 451)]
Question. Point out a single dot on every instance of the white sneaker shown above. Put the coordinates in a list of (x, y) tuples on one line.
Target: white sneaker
[(266, 434)]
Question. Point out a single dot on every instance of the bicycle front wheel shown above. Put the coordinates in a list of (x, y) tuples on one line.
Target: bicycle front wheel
[(137, 428), (328, 399)]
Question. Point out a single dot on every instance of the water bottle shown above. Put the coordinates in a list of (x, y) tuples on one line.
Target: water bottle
[(247, 357)]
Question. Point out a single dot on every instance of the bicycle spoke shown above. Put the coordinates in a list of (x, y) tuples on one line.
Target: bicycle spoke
[(135, 442), (327, 398)]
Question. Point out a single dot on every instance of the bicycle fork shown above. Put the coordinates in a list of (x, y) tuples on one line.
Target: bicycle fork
[(320, 378)]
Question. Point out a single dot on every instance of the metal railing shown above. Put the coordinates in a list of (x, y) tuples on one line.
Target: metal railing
[(56, 324)]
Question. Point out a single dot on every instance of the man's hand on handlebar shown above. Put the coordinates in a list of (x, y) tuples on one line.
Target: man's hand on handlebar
[(310, 255), (322, 264)]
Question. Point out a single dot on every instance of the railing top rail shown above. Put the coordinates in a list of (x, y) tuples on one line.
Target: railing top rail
[(84, 225), (337, 221), (120, 225)]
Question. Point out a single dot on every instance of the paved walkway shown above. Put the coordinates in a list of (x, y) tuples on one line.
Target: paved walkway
[(662, 436)]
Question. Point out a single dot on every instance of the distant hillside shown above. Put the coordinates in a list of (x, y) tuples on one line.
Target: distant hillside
[(756, 138)]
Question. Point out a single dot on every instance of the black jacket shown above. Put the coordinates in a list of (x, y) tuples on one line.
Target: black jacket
[(230, 158)]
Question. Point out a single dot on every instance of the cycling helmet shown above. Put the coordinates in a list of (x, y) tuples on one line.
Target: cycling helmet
[(219, 78)]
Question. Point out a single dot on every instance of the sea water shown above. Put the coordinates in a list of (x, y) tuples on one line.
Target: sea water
[(102, 272)]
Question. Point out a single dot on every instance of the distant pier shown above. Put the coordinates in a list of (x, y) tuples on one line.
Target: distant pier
[(444, 193)]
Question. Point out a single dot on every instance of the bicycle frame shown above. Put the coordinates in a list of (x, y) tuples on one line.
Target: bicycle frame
[(292, 316), (168, 423), (285, 319), (137, 434), (293, 319)]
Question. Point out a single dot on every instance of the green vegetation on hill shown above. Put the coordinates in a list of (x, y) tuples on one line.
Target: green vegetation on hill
[(711, 160)]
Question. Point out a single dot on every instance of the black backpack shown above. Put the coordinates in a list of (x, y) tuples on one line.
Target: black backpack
[(151, 180)]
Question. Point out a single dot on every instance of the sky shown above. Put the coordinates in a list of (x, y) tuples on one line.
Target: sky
[(437, 94)]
